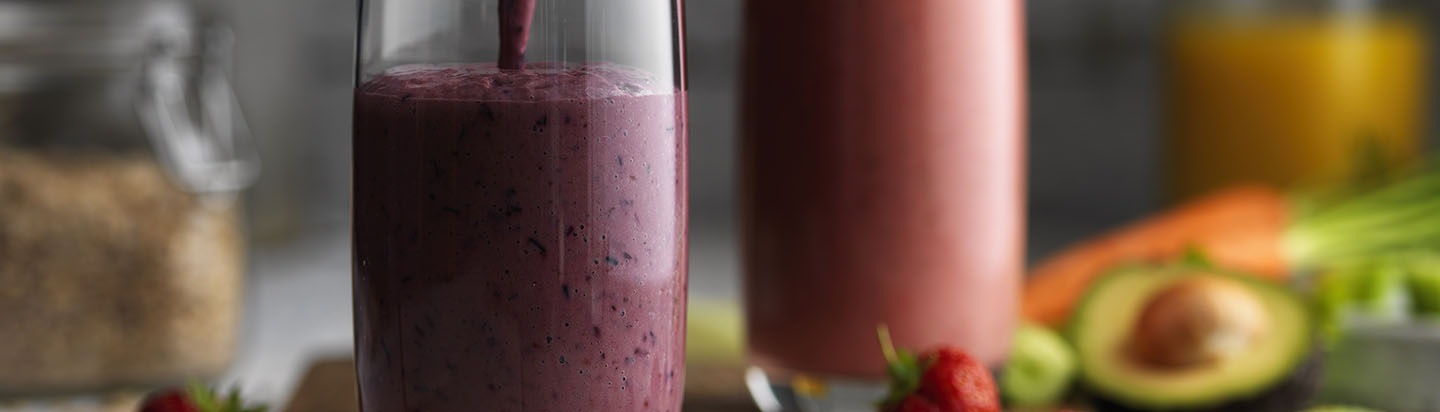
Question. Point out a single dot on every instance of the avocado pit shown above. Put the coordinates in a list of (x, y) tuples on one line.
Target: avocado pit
[(1197, 321)]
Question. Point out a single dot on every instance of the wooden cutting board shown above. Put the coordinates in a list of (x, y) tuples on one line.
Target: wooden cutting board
[(329, 386)]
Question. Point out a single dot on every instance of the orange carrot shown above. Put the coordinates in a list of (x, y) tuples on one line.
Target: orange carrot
[(1241, 228), (1252, 229)]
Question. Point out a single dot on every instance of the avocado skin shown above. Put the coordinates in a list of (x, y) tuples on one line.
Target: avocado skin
[(1292, 394)]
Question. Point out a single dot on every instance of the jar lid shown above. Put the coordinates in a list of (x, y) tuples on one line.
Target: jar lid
[(184, 100), (40, 37)]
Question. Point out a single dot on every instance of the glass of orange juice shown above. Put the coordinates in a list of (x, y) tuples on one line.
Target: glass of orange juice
[(1291, 92)]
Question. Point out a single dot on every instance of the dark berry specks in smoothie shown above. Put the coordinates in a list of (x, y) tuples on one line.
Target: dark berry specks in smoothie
[(545, 232), (482, 188)]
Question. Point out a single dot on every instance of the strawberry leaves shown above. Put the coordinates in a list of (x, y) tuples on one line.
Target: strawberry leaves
[(903, 367), (208, 400), (945, 378)]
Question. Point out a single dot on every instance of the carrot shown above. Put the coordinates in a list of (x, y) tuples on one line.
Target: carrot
[(1248, 228), (1240, 228)]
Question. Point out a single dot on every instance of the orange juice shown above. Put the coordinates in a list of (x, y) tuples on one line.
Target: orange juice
[(1291, 100)]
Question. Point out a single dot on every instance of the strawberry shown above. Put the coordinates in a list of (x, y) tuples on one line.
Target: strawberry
[(944, 379), (168, 401), (959, 382), (194, 398), (914, 403)]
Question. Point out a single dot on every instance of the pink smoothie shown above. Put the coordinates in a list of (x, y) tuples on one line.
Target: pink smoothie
[(519, 239), (882, 175)]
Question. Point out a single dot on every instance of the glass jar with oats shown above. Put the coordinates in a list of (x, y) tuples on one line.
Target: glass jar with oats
[(122, 153)]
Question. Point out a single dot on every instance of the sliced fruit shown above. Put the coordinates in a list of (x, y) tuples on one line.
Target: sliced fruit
[(1190, 338), (1041, 368)]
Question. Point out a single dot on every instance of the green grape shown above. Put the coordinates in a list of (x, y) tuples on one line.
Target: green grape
[(1041, 368), (1424, 283)]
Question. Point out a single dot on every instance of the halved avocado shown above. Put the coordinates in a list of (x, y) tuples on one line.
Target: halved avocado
[(1192, 338)]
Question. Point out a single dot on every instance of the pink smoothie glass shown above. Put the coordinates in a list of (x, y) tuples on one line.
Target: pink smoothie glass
[(882, 179)]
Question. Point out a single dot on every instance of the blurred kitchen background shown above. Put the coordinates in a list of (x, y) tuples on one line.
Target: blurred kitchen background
[(1095, 113), (1095, 145)]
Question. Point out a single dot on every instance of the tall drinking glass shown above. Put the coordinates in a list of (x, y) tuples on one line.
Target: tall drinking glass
[(520, 205), (882, 172)]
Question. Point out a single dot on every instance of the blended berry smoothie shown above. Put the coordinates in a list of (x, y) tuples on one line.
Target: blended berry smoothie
[(519, 238)]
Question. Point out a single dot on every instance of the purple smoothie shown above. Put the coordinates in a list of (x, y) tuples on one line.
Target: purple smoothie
[(519, 239)]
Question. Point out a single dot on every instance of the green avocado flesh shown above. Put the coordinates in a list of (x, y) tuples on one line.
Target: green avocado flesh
[(1102, 326)]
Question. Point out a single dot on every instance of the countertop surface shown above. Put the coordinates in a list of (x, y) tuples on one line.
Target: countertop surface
[(298, 306), (298, 300)]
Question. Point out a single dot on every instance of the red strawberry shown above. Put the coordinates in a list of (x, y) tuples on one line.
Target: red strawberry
[(942, 380), (917, 403), (195, 398), (168, 401), (958, 382)]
